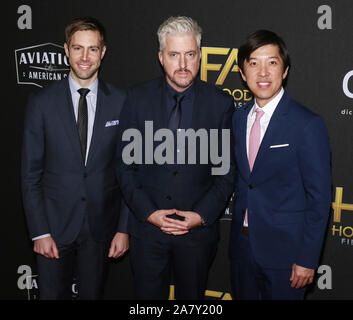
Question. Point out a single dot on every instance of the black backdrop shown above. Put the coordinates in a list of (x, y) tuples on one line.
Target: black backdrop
[(319, 36)]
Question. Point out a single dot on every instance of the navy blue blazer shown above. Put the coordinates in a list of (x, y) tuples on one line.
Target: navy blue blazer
[(58, 189), (288, 192), (191, 187)]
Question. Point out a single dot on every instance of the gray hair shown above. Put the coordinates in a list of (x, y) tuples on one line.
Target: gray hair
[(177, 25)]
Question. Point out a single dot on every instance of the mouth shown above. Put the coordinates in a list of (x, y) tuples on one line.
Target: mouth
[(84, 66), (263, 84), (182, 73)]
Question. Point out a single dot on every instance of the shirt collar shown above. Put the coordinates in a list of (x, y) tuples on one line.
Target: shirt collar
[(270, 107), (74, 86)]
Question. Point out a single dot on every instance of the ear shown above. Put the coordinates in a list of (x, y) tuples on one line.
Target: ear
[(66, 48), (285, 73), (242, 74), (160, 57), (103, 52)]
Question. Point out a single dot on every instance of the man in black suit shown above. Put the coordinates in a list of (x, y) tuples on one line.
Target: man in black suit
[(175, 203), (73, 205)]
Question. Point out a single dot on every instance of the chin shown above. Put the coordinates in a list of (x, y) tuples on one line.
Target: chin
[(184, 84)]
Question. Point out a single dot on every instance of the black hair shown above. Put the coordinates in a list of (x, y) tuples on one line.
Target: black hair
[(261, 38)]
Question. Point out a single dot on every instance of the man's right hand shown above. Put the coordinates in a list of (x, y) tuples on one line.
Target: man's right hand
[(46, 247), (167, 225)]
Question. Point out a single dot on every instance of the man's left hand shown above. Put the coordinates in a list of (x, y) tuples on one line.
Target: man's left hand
[(192, 220), (119, 245), (301, 276)]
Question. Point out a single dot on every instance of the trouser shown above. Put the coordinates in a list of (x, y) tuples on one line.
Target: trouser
[(154, 261), (250, 281), (85, 257)]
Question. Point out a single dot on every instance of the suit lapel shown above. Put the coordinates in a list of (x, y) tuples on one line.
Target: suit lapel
[(276, 128), (160, 116), (199, 101), (67, 115), (243, 154)]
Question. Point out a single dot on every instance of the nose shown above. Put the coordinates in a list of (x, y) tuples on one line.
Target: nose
[(182, 62), (85, 53), (263, 71)]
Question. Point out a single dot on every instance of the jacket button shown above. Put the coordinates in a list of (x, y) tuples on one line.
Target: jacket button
[(83, 199), (250, 186), (169, 198), (175, 173)]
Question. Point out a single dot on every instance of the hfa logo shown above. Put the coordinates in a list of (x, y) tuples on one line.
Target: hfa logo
[(229, 57), (40, 64), (344, 232)]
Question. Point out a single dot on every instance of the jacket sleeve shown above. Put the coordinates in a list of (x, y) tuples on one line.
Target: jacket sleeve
[(314, 159), (123, 217), (137, 200), (32, 166)]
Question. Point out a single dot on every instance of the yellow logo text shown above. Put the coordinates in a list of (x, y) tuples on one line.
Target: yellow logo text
[(208, 293), (338, 206), (223, 70)]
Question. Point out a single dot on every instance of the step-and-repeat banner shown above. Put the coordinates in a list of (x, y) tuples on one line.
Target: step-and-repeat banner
[(319, 37)]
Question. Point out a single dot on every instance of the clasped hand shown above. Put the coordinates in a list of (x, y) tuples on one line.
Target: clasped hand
[(173, 226)]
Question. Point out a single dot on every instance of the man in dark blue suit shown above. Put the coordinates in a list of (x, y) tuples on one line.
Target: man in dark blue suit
[(283, 184), (175, 205), (73, 205)]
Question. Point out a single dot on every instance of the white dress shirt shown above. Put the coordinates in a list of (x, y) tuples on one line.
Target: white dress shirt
[(268, 110), (91, 111), (91, 98)]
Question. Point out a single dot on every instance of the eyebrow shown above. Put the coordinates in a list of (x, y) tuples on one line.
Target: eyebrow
[(172, 51), (78, 45), (272, 57)]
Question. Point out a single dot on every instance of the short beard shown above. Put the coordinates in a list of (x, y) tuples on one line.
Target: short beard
[(179, 85)]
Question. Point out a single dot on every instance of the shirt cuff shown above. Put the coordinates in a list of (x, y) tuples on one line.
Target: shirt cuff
[(41, 237)]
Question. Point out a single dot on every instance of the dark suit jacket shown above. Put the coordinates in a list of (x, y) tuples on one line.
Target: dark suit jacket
[(288, 192), (150, 187), (58, 189)]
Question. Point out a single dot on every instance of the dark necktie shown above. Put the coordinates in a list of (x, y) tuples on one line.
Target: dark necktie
[(82, 120), (175, 116)]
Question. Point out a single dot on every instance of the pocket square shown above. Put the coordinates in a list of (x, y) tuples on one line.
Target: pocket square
[(112, 123), (279, 145)]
